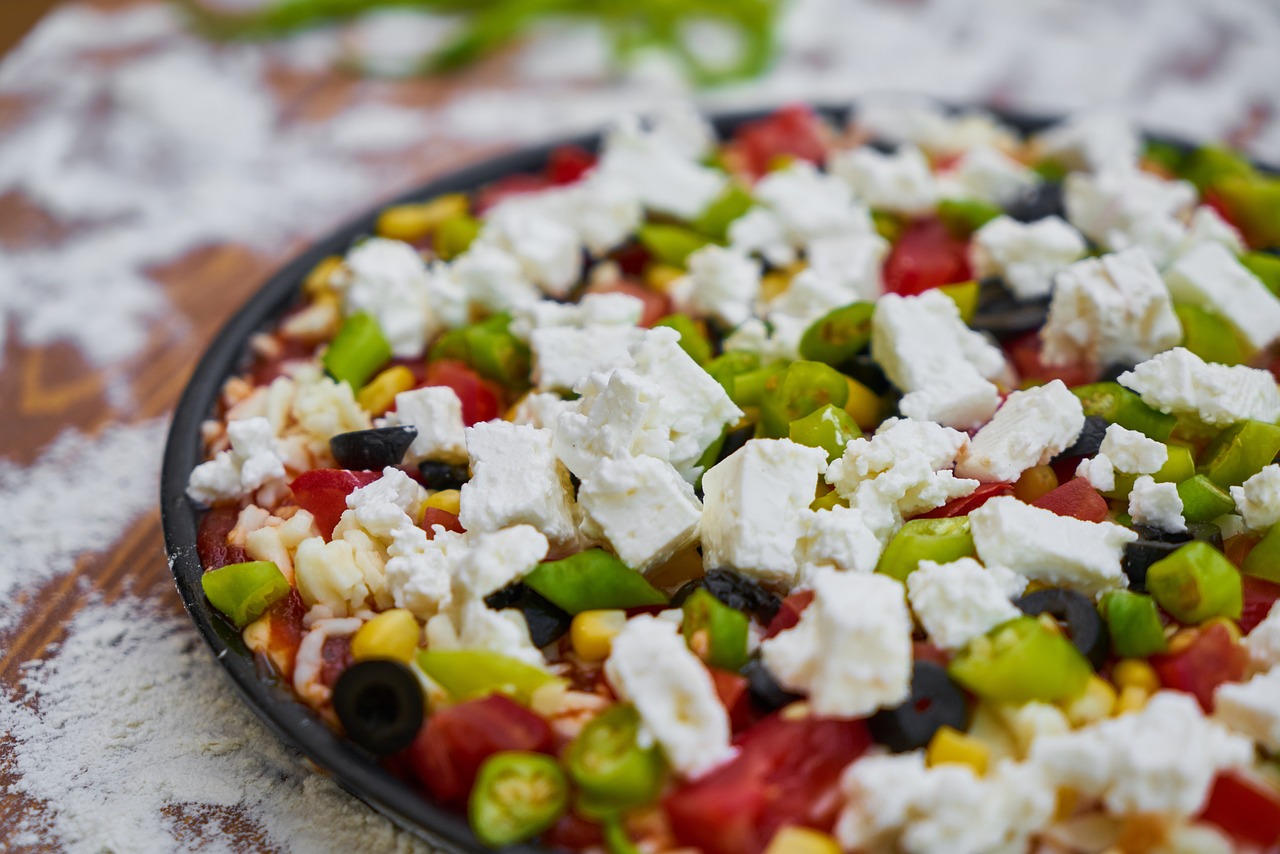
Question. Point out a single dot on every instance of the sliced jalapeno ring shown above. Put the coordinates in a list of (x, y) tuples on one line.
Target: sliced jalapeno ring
[(517, 795)]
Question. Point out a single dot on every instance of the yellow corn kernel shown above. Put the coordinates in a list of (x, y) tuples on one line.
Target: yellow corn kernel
[(660, 276), (1182, 640), (952, 746), (801, 840), (377, 395), (863, 405), (797, 711), (317, 280), (1136, 673), (773, 284), (392, 634), (1095, 703), (1035, 482), (1229, 624), (415, 221), (1067, 801), (448, 500), (592, 633), (1132, 699)]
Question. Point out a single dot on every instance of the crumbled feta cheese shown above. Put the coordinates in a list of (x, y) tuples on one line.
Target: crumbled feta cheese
[(1026, 255), (901, 182), (1230, 525), (1113, 309), (1258, 498), (491, 278), (756, 503), (436, 413), (761, 232), (1133, 452), (722, 283), (473, 625), (942, 366), (564, 355), (1208, 226), (1044, 546), (641, 507), (1030, 428), (388, 279), (811, 204), (611, 309), (486, 563), (327, 574), (448, 295), (864, 616), (1162, 759), (957, 601), (1128, 208), (516, 479), (659, 172), (838, 538), (1196, 839), (1211, 277), (252, 461), (548, 250), (898, 119), (1263, 642), (1252, 708), (853, 261), (616, 414), (683, 128), (540, 409), (323, 409), (1097, 141), (1099, 471), (782, 343), (651, 666), (1180, 382), (1156, 505), (604, 210), (380, 508), (987, 174), (419, 578), (809, 296)]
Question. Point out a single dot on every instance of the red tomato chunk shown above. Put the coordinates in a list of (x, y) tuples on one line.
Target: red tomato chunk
[(966, 504), (323, 493), (1213, 658), (479, 398), (926, 256), (1246, 809), (793, 131), (211, 539), (1076, 498)]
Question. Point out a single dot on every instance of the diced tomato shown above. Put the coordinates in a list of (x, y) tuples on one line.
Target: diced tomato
[(455, 742), (568, 163), (1024, 352), (506, 187), (966, 504), (631, 258), (656, 305), (926, 256), (335, 657), (285, 632), (1246, 808), (786, 772), (433, 516), (211, 539), (323, 493), (1213, 658), (794, 131), (1237, 548), (1259, 597), (1076, 498), (573, 833), (731, 688), (479, 397), (789, 614)]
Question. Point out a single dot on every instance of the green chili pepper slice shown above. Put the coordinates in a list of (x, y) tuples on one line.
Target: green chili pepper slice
[(693, 338), (1019, 661), (1119, 405), (1179, 465), (244, 591), (1209, 165), (1266, 267), (720, 214), (490, 349), (1263, 560), (616, 840), (940, 540), (726, 367), (962, 217), (517, 795), (887, 225), (671, 244), (609, 766), (1195, 583), (357, 351), (838, 335), (467, 674), (1254, 205), (715, 631), (592, 580), (965, 296), (1202, 500), (1133, 621), (1239, 452), (829, 428), (1209, 336), (802, 388), (749, 387), (454, 236)]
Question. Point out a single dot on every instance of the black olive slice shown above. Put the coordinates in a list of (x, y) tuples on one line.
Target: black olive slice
[(735, 590), (766, 693), (1002, 314), (1154, 544), (935, 702), (1084, 624), (442, 475), (547, 622), (380, 705), (1045, 199), (372, 450), (1089, 442)]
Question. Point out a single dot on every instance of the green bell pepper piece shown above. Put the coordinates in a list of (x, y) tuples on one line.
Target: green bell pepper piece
[(671, 244), (1195, 583), (1169, 156), (749, 388), (1019, 661), (1263, 560), (244, 591), (965, 296), (838, 335), (1209, 336), (693, 340), (357, 351), (713, 628), (1133, 622), (607, 763), (939, 540), (963, 217), (466, 674), (1209, 165), (592, 580), (720, 214), (829, 428), (1266, 267), (727, 366), (802, 388), (1254, 204), (490, 349), (454, 236), (1202, 500), (517, 795), (1119, 405), (1239, 452)]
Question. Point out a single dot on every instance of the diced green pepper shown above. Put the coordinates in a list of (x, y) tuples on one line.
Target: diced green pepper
[(1019, 661), (1208, 335), (728, 206), (357, 351), (517, 795), (592, 580), (244, 591), (1202, 500), (963, 217), (1050, 170), (715, 631), (1263, 560), (1240, 452), (725, 367), (1119, 405), (802, 388), (1171, 157), (829, 428), (1266, 267), (466, 674), (616, 840), (671, 244), (489, 348), (939, 540), (455, 235), (838, 335), (607, 763), (1195, 583), (693, 339), (750, 387), (1254, 204), (1133, 622), (1209, 165), (1178, 466), (965, 296)]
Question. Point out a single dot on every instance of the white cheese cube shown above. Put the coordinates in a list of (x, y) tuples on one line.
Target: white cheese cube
[(1263, 642), (662, 176), (1258, 498), (605, 211), (651, 667), (987, 174), (1044, 546), (1156, 505), (811, 204), (252, 461), (957, 601), (782, 343), (722, 283), (901, 182), (761, 232), (1133, 452), (1026, 255), (492, 278), (839, 538), (1099, 471), (419, 578), (383, 507), (540, 409), (1180, 382), (563, 356), (1252, 708), (1208, 226), (388, 279), (1129, 208), (548, 249), (609, 309), (1030, 428), (489, 562), (516, 479), (864, 616), (900, 118), (1211, 277), (617, 414), (640, 507), (436, 412), (1097, 141), (853, 261)]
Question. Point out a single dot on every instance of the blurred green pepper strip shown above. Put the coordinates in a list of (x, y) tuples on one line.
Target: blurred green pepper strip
[(829, 428), (490, 349), (1239, 452), (802, 388), (965, 296), (591, 580), (1263, 560), (466, 674), (727, 366), (1134, 624), (1209, 165), (358, 350), (962, 217), (715, 631), (1019, 661), (454, 236), (1195, 583), (1254, 206), (838, 335), (244, 591), (1118, 405), (1266, 267), (1202, 500), (1209, 336), (517, 795), (720, 214), (607, 763), (941, 540), (693, 338), (616, 840), (671, 244)]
